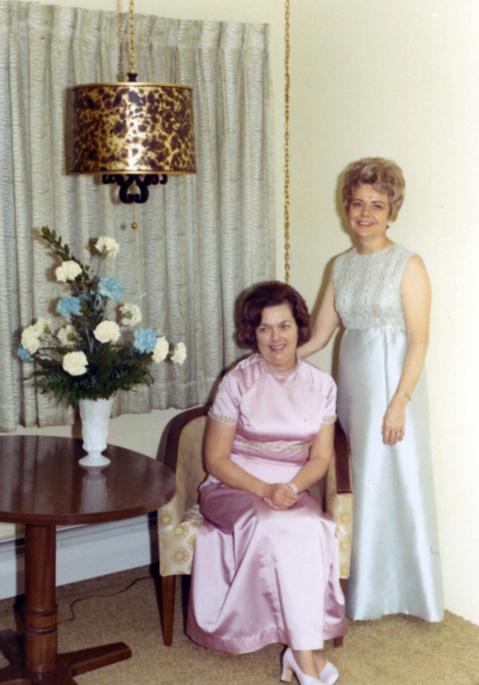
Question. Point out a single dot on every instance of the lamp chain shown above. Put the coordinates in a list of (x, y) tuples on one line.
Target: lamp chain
[(140, 256), (287, 28), (131, 42)]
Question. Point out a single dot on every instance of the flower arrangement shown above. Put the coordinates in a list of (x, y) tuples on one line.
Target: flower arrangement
[(91, 356)]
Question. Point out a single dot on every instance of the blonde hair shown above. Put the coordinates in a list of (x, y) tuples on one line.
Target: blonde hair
[(384, 175)]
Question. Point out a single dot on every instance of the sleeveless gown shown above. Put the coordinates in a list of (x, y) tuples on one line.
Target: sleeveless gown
[(395, 566), (262, 575)]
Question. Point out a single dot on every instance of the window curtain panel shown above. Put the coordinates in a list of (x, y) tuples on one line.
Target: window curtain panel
[(201, 238)]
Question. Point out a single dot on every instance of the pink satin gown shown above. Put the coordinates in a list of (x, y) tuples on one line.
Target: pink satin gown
[(261, 575)]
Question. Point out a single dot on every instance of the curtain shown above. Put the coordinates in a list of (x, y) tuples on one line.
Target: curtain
[(201, 238)]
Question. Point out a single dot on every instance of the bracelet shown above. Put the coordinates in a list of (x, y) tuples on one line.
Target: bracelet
[(293, 487), (403, 393)]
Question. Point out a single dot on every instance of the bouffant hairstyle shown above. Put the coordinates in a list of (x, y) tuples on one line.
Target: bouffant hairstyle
[(385, 177), (250, 307)]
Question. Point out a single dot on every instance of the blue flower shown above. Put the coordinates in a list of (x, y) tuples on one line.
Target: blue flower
[(111, 287), (69, 306), (24, 354), (144, 340)]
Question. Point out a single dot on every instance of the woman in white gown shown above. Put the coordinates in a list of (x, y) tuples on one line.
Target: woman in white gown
[(380, 293)]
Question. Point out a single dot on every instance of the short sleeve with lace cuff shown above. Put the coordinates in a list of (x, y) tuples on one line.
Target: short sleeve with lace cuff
[(226, 420), (330, 403), (225, 408)]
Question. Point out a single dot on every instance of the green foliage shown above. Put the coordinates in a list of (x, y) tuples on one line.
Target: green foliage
[(105, 367), (62, 251), (111, 368)]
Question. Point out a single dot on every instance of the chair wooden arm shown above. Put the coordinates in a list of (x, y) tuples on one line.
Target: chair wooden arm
[(168, 448), (341, 449)]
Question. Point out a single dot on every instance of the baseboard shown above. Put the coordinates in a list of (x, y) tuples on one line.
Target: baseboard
[(85, 552)]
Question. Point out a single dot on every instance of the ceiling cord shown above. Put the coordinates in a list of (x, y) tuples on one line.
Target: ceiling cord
[(287, 80)]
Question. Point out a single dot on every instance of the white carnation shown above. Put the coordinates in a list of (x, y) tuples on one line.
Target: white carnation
[(67, 335), (67, 271), (179, 353), (106, 245), (130, 315), (75, 363), (31, 339), (107, 331), (42, 327), (161, 350)]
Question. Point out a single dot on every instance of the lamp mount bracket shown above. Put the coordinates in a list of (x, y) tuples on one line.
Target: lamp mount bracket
[(142, 182)]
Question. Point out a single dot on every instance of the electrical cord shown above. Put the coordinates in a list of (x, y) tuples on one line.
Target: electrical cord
[(95, 595)]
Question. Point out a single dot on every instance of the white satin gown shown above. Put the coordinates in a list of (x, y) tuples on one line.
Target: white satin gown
[(395, 556)]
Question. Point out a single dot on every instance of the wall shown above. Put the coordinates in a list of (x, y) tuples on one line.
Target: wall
[(397, 78)]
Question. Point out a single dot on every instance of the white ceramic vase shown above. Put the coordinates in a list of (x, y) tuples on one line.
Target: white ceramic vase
[(95, 415)]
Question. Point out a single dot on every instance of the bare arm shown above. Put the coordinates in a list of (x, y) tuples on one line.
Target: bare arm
[(324, 326), (319, 458), (218, 444), (416, 299)]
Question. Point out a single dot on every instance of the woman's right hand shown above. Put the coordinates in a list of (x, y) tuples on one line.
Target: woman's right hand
[(280, 496), (324, 325)]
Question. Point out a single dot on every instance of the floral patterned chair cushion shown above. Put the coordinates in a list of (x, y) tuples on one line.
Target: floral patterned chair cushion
[(9, 531), (178, 520), (340, 506)]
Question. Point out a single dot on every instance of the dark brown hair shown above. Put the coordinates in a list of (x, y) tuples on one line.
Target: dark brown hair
[(250, 305)]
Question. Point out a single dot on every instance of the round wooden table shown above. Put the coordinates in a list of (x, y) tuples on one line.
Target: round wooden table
[(43, 486)]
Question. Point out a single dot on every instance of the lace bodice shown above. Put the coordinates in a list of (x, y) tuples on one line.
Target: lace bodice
[(367, 288)]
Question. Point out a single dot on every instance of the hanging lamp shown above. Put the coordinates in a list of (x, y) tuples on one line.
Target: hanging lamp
[(133, 134)]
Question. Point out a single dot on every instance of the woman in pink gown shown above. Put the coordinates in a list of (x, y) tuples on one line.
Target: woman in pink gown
[(266, 565)]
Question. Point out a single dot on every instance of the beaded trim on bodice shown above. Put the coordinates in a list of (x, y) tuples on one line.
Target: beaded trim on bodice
[(367, 288), (277, 373)]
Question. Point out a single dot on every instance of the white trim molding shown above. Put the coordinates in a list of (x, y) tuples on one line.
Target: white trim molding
[(85, 551)]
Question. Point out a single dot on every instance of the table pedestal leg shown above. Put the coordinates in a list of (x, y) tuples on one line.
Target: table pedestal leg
[(40, 663), (68, 664), (40, 611)]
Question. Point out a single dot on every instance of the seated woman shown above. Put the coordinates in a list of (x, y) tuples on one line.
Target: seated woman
[(266, 565)]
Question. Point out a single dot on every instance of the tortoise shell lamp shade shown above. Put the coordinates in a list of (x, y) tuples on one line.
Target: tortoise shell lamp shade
[(134, 134)]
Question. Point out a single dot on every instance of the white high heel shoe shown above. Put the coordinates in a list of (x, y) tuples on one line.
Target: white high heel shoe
[(290, 666), (329, 673)]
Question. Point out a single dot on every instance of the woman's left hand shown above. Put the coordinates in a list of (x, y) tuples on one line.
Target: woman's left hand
[(416, 301), (394, 424), (281, 496)]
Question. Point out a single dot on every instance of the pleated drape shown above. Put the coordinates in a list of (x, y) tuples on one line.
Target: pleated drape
[(201, 239)]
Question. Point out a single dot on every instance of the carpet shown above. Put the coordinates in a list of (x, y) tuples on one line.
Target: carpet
[(396, 650)]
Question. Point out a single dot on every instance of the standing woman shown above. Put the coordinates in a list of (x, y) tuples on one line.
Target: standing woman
[(380, 293)]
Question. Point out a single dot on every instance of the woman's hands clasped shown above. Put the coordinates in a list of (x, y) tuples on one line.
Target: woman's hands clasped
[(280, 496)]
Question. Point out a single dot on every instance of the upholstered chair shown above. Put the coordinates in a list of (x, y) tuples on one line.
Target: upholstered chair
[(181, 449)]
